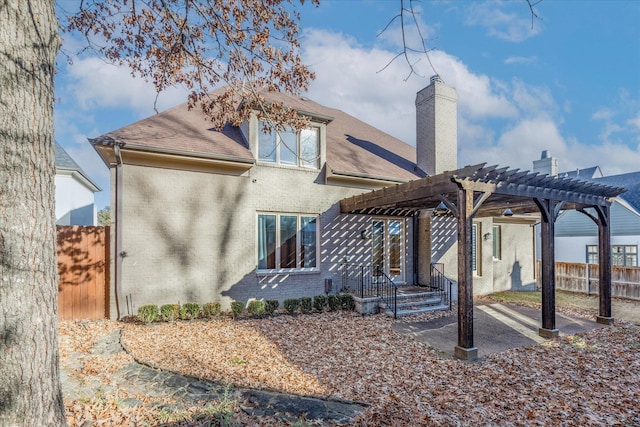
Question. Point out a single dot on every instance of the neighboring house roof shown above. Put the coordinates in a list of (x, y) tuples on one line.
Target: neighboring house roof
[(352, 146), (588, 173), (630, 181), (625, 215), (66, 165)]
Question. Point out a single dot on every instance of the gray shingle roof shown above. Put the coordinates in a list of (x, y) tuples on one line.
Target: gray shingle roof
[(630, 181), (64, 160), (352, 146)]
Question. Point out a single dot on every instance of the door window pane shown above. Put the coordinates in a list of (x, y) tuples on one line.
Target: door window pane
[(377, 245), (395, 248)]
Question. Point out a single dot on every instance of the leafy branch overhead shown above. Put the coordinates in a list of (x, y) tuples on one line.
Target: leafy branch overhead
[(251, 46)]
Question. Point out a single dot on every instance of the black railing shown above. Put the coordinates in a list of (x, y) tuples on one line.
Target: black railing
[(440, 283), (388, 290), (367, 282)]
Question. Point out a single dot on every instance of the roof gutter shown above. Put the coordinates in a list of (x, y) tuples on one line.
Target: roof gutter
[(363, 176), (199, 155)]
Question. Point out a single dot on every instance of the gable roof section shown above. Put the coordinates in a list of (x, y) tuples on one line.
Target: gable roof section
[(66, 165), (353, 148), (588, 173), (180, 130), (630, 181)]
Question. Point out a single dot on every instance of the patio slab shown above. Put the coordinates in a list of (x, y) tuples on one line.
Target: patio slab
[(497, 327)]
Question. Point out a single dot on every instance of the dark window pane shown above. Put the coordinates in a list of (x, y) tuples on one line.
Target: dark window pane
[(266, 242)]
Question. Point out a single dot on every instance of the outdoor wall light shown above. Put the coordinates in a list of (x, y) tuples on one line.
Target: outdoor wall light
[(365, 234), (487, 236), (440, 210), (507, 212)]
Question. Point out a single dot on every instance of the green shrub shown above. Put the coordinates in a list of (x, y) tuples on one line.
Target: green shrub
[(211, 309), (189, 310), (148, 313), (334, 302), (169, 312), (347, 302), (255, 307), (319, 302), (305, 305), (237, 307), (291, 305), (271, 305)]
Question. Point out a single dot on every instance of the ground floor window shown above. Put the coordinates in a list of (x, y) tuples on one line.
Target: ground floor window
[(475, 249), (497, 242), (387, 246), (621, 255), (287, 241)]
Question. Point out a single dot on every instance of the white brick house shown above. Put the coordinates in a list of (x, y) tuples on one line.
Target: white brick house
[(204, 215)]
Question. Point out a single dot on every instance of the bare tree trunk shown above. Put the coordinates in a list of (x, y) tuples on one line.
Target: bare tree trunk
[(30, 392)]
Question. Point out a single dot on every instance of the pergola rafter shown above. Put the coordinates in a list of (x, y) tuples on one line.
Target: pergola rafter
[(482, 191)]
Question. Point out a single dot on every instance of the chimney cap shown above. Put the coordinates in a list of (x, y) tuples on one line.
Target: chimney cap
[(436, 78), (545, 154)]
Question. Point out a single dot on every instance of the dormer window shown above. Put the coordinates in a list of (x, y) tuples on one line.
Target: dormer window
[(290, 148)]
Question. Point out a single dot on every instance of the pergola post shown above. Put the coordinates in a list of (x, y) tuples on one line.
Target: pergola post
[(465, 349), (548, 275), (604, 261)]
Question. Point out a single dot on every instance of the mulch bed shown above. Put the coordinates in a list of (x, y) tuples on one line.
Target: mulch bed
[(588, 379)]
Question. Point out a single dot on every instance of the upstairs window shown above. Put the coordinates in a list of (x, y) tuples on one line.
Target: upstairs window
[(286, 147)]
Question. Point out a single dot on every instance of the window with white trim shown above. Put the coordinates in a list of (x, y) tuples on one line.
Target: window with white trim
[(287, 241), (290, 148)]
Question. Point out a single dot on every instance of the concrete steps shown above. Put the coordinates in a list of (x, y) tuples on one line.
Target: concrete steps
[(415, 302)]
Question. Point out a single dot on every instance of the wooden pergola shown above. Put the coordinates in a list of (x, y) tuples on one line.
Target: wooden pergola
[(486, 191)]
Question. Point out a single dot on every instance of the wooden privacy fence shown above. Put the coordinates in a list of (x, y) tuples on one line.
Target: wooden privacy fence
[(575, 277), (83, 269)]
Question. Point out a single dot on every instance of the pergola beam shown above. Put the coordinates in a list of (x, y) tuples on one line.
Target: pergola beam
[(499, 188)]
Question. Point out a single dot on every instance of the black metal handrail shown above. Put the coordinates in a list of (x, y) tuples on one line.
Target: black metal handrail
[(356, 279), (440, 283), (388, 290), (366, 281)]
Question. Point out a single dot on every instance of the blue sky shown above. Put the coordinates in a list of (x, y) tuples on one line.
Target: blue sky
[(569, 84)]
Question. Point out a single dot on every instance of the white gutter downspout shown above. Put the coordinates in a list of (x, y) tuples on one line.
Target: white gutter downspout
[(118, 234)]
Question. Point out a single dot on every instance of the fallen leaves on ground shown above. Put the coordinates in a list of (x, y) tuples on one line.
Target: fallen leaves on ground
[(587, 379)]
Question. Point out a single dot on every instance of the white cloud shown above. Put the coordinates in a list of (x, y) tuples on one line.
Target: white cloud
[(531, 99), (521, 60), (512, 26), (349, 78), (603, 114), (93, 83), (518, 146), (416, 32)]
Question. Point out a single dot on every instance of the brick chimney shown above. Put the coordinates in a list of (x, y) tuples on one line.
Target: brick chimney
[(547, 165), (437, 127)]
